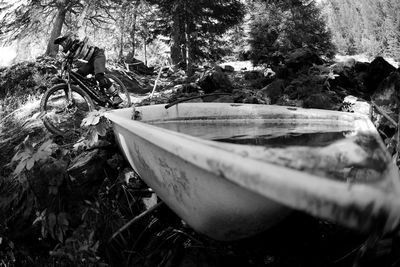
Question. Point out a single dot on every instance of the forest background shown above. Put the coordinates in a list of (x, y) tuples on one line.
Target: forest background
[(195, 31), (183, 33)]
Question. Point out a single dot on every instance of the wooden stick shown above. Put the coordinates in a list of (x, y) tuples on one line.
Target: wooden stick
[(193, 97), (155, 83), (135, 219)]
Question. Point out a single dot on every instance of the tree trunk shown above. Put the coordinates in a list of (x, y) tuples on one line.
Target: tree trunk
[(183, 41), (176, 35), (52, 49), (145, 52), (81, 19), (121, 47), (190, 47), (132, 32)]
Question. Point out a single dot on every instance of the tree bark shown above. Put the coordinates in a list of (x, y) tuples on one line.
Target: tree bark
[(52, 49), (190, 46), (81, 19), (177, 34), (121, 47), (132, 32)]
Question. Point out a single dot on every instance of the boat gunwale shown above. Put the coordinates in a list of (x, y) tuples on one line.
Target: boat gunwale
[(307, 186)]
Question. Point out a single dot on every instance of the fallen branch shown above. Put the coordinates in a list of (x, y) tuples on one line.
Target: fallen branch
[(136, 219), (193, 97)]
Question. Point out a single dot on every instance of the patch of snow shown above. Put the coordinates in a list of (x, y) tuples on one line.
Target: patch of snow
[(239, 65), (364, 58), (135, 99), (7, 56)]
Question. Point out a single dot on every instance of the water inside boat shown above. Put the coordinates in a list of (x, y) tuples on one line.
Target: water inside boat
[(333, 151)]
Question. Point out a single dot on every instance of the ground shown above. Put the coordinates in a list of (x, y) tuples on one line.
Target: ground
[(51, 220)]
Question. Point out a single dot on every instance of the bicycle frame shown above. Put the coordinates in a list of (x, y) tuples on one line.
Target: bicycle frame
[(89, 87)]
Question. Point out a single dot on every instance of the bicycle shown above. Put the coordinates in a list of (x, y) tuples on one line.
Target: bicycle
[(67, 103)]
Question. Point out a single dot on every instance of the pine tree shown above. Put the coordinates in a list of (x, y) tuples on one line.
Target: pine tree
[(365, 26), (46, 19), (30, 19), (195, 25), (391, 28), (282, 26)]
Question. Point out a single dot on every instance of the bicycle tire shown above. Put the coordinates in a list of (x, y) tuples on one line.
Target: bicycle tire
[(67, 117), (122, 91)]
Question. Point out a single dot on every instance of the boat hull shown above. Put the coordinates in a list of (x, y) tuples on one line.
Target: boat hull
[(225, 192), (210, 204)]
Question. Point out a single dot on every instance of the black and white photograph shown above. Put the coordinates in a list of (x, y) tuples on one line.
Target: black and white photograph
[(203, 133)]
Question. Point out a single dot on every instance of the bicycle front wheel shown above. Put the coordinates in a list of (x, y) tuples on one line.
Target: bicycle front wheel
[(122, 91), (63, 115)]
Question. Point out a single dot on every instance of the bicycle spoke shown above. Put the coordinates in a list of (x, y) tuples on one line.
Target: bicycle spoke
[(64, 114)]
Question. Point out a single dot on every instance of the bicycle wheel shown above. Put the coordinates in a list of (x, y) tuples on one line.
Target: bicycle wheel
[(122, 91), (62, 116)]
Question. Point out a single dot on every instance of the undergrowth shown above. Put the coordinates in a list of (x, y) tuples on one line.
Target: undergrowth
[(53, 214)]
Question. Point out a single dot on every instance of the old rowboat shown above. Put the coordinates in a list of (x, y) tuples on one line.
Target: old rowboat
[(233, 170)]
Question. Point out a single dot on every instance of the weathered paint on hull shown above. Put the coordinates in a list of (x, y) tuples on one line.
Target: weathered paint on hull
[(223, 191), (210, 204)]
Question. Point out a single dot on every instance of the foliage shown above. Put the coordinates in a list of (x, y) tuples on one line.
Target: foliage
[(100, 218), (41, 18), (26, 78), (365, 26), (281, 27), (43, 169), (139, 24), (29, 154), (235, 43), (196, 26), (96, 125), (81, 248)]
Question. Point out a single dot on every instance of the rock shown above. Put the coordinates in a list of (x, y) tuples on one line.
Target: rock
[(319, 100), (349, 63), (135, 65), (359, 81), (386, 97), (356, 105), (344, 78), (225, 99), (253, 75), (215, 79), (284, 100), (341, 66), (350, 75), (187, 88), (302, 57), (378, 70), (269, 73), (272, 91), (260, 83), (88, 170), (229, 68), (305, 85), (246, 96), (210, 98), (361, 66), (259, 79), (251, 100)]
